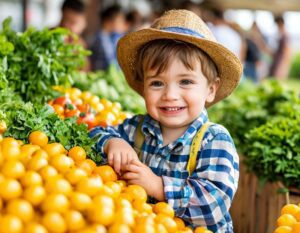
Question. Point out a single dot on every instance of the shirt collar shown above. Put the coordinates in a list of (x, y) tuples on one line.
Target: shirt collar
[(152, 127)]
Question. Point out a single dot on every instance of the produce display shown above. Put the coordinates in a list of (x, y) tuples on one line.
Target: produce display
[(289, 220), (88, 108), (264, 123), (45, 188), (110, 84)]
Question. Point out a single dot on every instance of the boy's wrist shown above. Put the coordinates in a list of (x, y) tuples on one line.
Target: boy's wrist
[(158, 190)]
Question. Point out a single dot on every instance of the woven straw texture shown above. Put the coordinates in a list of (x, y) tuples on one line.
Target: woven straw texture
[(228, 65)]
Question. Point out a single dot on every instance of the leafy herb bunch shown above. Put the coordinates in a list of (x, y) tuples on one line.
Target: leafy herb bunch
[(33, 61)]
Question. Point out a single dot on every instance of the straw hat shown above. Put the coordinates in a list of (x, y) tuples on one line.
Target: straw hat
[(185, 26)]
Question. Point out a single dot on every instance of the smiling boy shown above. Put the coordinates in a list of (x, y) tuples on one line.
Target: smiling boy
[(173, 151)]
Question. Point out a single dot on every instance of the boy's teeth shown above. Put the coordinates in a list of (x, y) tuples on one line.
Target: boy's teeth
[(172, 109)]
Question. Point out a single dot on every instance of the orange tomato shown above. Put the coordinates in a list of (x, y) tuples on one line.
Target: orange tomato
[(54, 149), (290, 209), (75, 175), (77, 153), (106, 172), (163, 208), (136, 192), (87, 165), (61, 162), (286, 220), (281, 229), (38, 138)]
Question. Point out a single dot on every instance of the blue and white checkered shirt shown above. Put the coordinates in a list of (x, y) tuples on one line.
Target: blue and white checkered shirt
[(202, 199)]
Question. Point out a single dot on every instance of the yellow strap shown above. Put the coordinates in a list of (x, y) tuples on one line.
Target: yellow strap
[(139, 138), (195, 147)]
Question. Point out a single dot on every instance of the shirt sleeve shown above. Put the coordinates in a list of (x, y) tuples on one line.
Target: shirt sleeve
[(126, 131), (205, 197)]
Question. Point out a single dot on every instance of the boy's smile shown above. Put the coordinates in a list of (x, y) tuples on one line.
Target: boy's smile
[(177, 96)]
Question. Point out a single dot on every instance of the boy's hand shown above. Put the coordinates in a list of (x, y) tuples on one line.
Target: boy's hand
[(138, 173), (119, 153)]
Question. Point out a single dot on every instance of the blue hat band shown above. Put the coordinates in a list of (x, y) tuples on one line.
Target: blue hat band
[(183, 31)]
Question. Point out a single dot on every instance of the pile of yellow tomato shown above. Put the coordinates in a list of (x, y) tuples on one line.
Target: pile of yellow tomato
[(45, 188), (289, 220), (89, 109)]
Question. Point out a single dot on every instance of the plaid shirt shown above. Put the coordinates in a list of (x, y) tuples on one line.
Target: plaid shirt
[(202, 199)]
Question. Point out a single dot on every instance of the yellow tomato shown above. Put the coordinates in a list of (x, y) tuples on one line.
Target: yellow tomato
[(21, 209), (106, 172), (13, 169), (37, 162), (163, 208), (58, 185), (11, 224), (101, 214), (77, 153), (281, 229), (38, 138), (48, 172), (136, 192), (74, 220), (90, 185), (10, 189), (10, 149), (34, 227), (75, 175), (54, 149), (87, 165), (80, 201), (286, 220), (61, 162), (180, 223), (35, 194), (167, 221), (55, 202), (54, 222), (31, 178), (119, 228)]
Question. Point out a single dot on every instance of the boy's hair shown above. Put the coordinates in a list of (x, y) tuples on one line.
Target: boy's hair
[(157, 54), (75, 5)]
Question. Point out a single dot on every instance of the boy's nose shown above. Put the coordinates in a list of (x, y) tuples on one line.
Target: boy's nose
[(170, 93)]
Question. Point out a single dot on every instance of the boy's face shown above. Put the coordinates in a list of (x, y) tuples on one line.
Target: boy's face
[(177, 96)]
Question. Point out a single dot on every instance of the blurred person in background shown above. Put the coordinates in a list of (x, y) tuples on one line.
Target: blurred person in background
[(225, 34), (73, 18), (112, 27), (260, 40), (282, 55), (134, 20)]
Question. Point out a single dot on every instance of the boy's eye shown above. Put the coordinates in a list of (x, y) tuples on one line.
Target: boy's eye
[(156, 83), (186, 82)]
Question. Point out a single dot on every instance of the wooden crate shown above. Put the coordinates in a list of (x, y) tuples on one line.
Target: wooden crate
[(255, 209)]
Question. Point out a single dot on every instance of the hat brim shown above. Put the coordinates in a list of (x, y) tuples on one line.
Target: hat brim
[(228, 65)]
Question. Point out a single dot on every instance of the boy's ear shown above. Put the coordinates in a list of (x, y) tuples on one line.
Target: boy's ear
[(213, 87)]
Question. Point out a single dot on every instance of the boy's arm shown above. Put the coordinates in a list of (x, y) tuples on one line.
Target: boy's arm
[(123, 131), (205, 197)]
